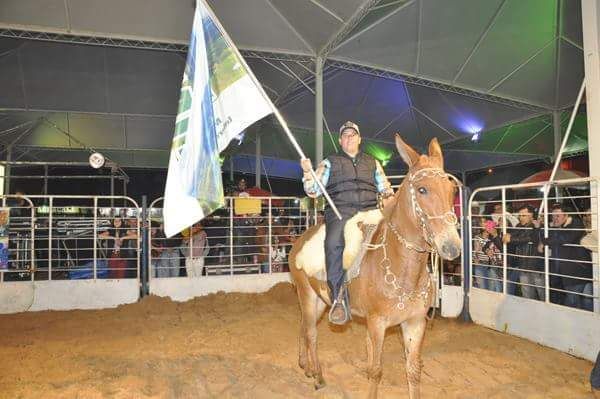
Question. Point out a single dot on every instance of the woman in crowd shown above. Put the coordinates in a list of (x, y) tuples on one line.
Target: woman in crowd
[(114, 237)]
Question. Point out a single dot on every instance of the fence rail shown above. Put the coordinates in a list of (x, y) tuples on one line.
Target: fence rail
[(69, 238), (247, 236), (551, 257), (88, 237)]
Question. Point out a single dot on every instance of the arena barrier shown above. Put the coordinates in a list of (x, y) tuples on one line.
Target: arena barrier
[(448, 274), (59, 252), (549, 298), (241, 247)]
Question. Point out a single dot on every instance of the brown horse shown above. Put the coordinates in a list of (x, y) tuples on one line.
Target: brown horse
[(394, 286)]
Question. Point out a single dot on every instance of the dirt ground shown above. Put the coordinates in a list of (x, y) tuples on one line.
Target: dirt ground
[(245, 346)]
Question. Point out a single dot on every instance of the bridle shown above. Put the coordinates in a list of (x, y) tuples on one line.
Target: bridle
[(449, 218)]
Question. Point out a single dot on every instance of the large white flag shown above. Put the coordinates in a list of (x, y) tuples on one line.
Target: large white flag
[(218, 100)]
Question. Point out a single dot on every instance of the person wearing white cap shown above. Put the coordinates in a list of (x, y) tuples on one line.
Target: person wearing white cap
[(353, 179)]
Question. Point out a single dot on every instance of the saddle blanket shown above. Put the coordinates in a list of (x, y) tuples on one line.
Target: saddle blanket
[(311, 258)]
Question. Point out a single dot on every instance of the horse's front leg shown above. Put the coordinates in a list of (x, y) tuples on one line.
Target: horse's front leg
[(375, 336), (413, 331)]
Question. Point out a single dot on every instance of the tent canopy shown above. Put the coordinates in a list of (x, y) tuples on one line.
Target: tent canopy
[(106, 74)]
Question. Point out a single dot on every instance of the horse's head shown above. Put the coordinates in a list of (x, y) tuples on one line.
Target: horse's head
[(427, 194)]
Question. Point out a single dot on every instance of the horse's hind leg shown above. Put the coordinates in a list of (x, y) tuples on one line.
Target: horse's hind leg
[(302, 348), (413, 331), (375, 336), (312, 308)]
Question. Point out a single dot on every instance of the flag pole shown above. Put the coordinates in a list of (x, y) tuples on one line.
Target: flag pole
[(278, 115)]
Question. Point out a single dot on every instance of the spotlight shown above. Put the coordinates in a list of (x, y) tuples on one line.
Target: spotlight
[(490, 171), (96, 160), (475, 137)]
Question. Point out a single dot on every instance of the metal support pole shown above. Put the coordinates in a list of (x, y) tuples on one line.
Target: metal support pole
[(318, 110), (45, 179), (590, 18), (546, 251), (96, 237), (258, 162), (231, 236), (564, 144), (568, 132), (190, 254), (145, 250), (557, 142), (33, 263), (51, 204), (467, 255), (112, 189), (557, 133), (504, 257), (270, 239), (231, 169), (595, 203), (7, 170)]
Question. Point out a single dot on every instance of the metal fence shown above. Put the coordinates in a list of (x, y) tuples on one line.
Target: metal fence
[(99, 237), (69, 238), (250, 235), (551, 257)]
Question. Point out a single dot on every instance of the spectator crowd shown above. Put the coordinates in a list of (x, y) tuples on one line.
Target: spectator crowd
[(570, 243)]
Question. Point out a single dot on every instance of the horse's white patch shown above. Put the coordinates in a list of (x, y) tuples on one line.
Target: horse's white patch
[(311, 257)]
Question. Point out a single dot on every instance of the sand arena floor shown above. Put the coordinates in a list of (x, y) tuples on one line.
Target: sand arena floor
[(245, 346)]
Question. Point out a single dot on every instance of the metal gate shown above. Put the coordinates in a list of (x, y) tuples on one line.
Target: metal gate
[(548, 293), (68, 252), (241, 247)]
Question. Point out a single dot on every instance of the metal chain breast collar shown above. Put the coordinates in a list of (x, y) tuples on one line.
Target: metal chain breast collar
[(448, 218), (406, 243), (391, 279)]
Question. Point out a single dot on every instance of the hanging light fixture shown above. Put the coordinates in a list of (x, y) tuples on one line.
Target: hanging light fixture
[(96, 160)]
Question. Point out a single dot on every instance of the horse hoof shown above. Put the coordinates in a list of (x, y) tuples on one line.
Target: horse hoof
[(320, 383), (319, 386)]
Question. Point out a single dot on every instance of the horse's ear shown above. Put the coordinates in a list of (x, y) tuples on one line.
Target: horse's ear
[(435, 151), (409, 155)]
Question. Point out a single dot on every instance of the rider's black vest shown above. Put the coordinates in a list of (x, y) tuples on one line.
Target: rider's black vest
[(351, 182)]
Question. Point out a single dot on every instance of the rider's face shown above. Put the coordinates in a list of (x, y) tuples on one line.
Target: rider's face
[(350, 141)]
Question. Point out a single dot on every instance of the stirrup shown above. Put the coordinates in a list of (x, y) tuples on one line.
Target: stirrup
[(334, 318), (342, 301)]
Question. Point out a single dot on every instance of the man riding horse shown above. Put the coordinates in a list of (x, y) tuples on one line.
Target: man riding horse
[(353, 179)]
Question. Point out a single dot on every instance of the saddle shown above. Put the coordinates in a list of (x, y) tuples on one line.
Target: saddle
[(311, 257)]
